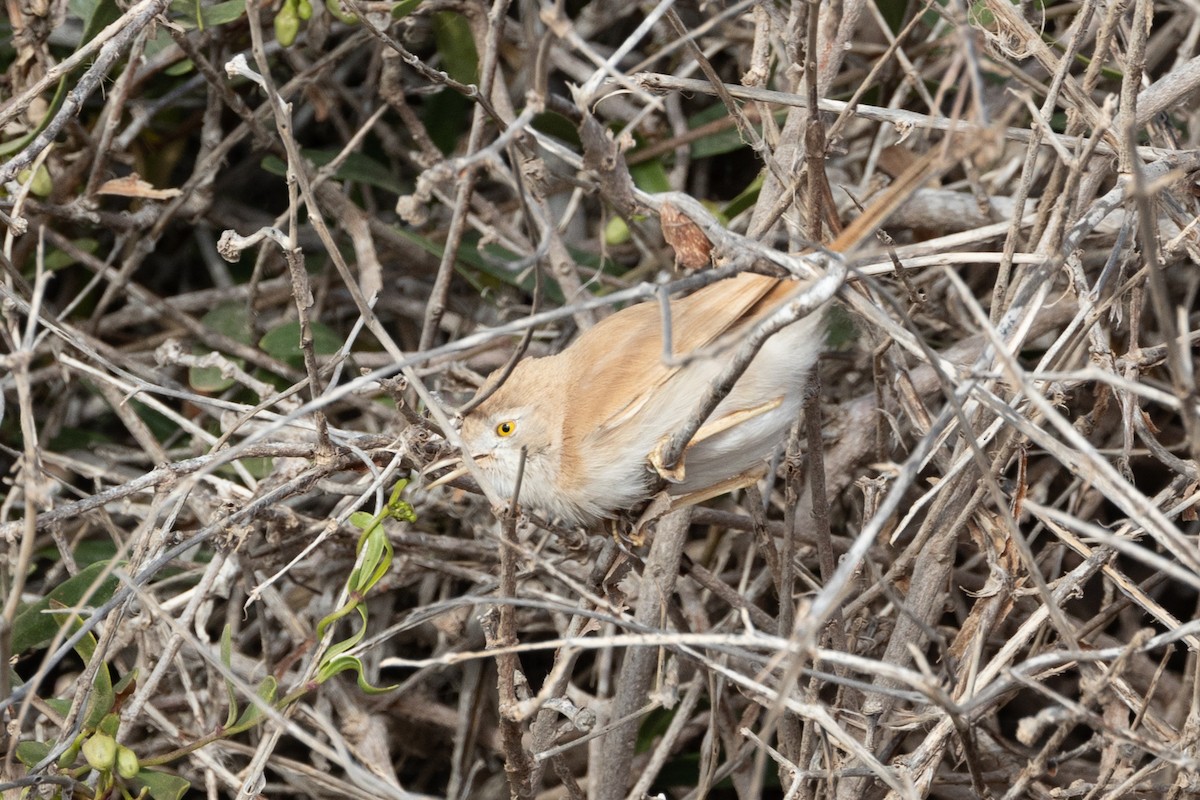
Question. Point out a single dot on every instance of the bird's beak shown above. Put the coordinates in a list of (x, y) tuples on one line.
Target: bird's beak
[(459, 471)]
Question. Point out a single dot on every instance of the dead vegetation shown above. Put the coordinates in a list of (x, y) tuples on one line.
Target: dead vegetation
[(247, 279)]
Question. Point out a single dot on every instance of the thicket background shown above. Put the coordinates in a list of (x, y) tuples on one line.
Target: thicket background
[(993, 593)]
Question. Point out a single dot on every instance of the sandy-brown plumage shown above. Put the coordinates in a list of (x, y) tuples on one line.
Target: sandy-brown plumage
[(589, 416)]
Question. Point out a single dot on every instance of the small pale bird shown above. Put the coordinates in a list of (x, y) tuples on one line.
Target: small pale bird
[(589, 417)]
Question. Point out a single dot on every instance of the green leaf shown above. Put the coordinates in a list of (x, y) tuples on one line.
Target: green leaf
[(57, 259), (283, 342), (371, 554), (68, 756), (357, 167), (16, 145), (59, 705), (456, 46), (162, 785), (651, 176), (109, 725), (96, 15), (227, 661), (403, 8), (232, 320), (479, 271), (31, 753), (228, 319), (334, 616), (362, 520), (194, 14), (266, 692), (337, 648), (343, 663), (103, 697), (34, 628), (121, 686), (745, 199)]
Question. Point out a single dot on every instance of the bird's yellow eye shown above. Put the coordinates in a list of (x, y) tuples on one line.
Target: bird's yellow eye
[(506, 428)]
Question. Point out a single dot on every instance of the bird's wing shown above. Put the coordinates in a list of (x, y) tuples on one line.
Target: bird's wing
[(635, 337)]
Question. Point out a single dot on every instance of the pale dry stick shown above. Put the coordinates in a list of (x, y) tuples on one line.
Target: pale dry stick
[(1091, 374), (1070, 713), (786, 767), (1069, 528), (469, 689), (145, 394), (657, 82), (113, 112), (1072, 459), (211, 762), (751, 646), (829, 595), (250, 447), (146, 687), (171, 353), (360, 775), (303, 299), (1000, 291), (893, 49), (1046, 664), (1009, 20), (543, 730), (159, 477), (106, 355), (587, 92), (375, 487), (131, 553), (18, 363), (1167, 92), (680, 719), (923, 761), (1165, 308), (1133, 68), (236, 517), (745, 129), (638, 666), (499, 625), (202, 175), (102, 51), (466, 183), (362, 304), (302, 296), (16, 225), (1098, 469)]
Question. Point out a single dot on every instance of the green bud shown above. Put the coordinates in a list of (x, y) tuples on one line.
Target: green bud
[(127, 762), (616, 231), (287, 24), (335, 8), (304, 9), (100, 751), (41, 185), (71, 753), (109, 724)]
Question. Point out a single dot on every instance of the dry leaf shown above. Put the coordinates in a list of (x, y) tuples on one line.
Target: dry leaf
[(133, 186), (692, 248)]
